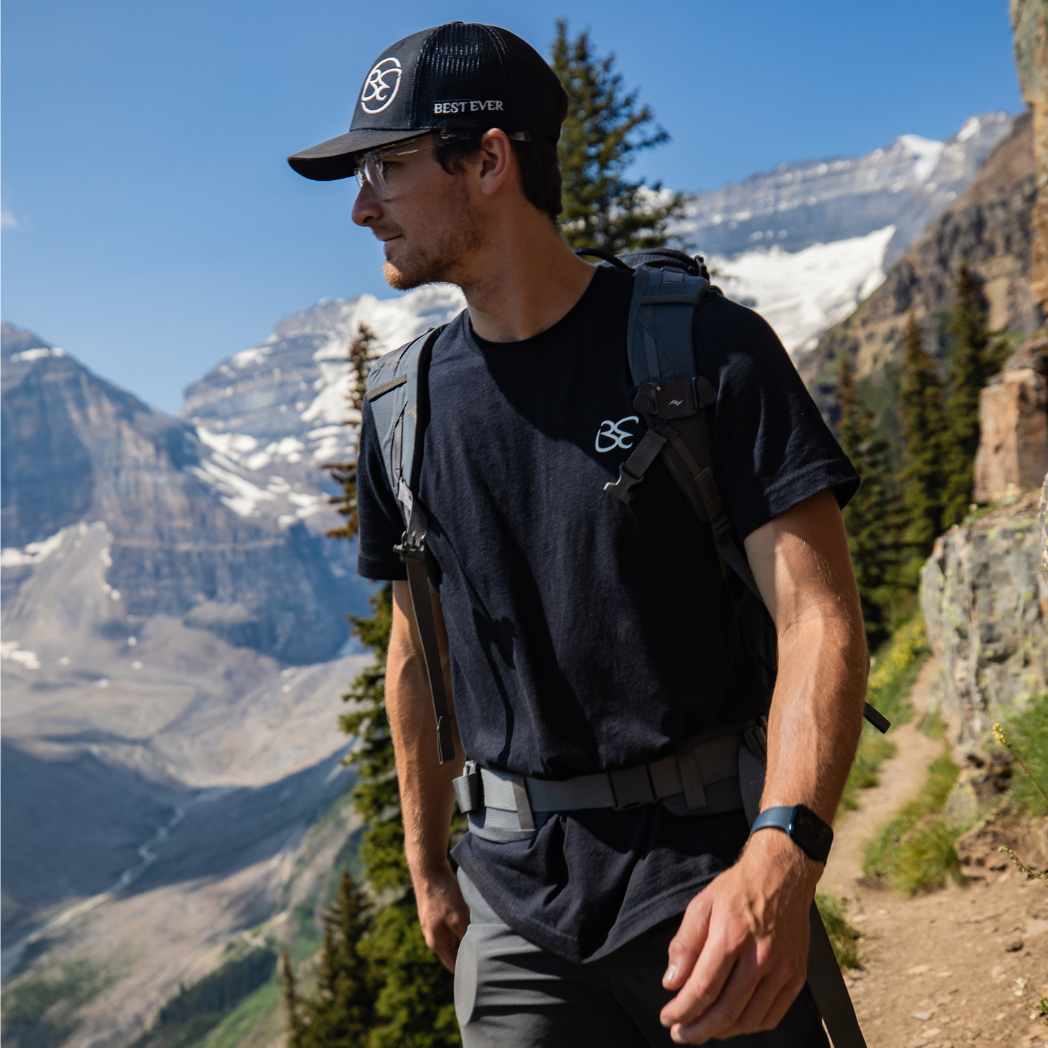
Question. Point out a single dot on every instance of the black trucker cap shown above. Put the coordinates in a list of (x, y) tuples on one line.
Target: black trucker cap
[(460, 75)]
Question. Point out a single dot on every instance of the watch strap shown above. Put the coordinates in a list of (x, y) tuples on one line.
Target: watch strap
[(791, 820)]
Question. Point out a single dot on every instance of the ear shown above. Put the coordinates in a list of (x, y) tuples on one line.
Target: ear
[(496, 161)]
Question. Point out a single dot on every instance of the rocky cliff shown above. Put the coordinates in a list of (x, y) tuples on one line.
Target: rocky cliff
[(76, 448), (1030, 35), (984, 596), (1013, 425), (989, 229)]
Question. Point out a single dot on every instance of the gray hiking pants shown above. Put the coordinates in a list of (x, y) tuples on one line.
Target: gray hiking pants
[(510, 993)]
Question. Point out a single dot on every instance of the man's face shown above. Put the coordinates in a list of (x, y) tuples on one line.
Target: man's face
[(423, 214)]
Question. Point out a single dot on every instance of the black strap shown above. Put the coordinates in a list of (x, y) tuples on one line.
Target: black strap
[(412, 550)]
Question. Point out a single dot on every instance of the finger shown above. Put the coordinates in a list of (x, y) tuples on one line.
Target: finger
[(703, 986), (781, 1005), (752, 1017), (687, 944), (720, 1018)]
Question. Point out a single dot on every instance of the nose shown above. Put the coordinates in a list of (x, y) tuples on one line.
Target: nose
[(366, 206)]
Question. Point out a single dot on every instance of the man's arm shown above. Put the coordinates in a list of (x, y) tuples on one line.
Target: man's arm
[(740, 956), (426, 794)]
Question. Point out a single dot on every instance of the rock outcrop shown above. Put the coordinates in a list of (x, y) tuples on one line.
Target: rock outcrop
[(984, 595), (1030, 35), (1013, 423)]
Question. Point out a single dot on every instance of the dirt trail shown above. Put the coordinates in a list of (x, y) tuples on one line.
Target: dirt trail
[(963, 966)]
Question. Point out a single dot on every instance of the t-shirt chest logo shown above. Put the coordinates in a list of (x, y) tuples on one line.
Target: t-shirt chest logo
[(611, 435)]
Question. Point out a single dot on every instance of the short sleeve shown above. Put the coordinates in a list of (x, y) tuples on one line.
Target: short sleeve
[(771, 447), (380, 523)]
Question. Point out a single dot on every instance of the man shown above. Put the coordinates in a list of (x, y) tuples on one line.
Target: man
[(581, 635)]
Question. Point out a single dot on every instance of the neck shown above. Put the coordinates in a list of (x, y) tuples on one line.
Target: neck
[(523, 280)]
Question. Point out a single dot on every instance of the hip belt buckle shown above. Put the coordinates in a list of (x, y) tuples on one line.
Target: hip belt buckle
[(631, 787), (469, 790)]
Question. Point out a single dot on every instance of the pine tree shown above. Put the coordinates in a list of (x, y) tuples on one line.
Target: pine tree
[(603, 132), (292, 1008), (970, 362), (874, 515), (923, 431), (341, 1013), (344, 474)]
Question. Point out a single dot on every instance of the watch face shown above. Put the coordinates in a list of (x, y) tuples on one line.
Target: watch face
[(811, 832)]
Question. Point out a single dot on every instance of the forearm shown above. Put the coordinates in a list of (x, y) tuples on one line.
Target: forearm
[(816, 712), (426, 795)]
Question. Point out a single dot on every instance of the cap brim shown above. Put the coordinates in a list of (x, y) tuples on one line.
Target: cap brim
[(336, 158)]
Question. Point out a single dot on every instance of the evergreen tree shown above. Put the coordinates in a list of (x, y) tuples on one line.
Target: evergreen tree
[(341, 1013), (874, 515), (923, 431), (603, 132), (970, 361), (289, 988), (344, 474)]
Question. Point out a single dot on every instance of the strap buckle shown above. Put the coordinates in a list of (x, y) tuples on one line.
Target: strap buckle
[(411, 545), (469, 789), (631, 787)]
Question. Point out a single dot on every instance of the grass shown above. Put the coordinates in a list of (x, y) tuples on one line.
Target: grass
[(843, 936), (895, 668), (1026, 737), (914, 851), (258, 1013)]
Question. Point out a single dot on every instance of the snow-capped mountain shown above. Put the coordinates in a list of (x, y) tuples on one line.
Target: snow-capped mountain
[(804, 243), (275, 413)]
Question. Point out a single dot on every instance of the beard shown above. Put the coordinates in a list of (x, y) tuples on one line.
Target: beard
[(445, 259)]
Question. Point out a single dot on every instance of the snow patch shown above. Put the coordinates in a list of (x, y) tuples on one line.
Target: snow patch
[(34, 552), (803, 292), (229, 444), (926, 150), (240, 495), (10, 650), (247, 357), (39, 353), (972, 126)]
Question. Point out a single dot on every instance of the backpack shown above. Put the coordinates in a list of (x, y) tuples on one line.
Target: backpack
[(668, 291)]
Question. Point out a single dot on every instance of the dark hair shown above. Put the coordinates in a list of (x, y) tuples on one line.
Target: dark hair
[(537, 159)]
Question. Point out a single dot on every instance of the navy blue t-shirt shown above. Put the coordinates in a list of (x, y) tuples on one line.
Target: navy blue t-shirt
[(585, 633)]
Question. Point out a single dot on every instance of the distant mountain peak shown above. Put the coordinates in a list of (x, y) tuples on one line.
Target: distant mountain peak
[(15, 340)]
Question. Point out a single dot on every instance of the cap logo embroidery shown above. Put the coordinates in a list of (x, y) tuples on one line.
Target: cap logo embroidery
[(469, 105), (381, 86)]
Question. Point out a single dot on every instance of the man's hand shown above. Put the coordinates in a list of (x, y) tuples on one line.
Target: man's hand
[(442, 913), (740, 956)]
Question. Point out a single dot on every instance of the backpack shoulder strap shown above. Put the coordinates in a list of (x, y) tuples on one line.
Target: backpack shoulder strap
[(393, 386), (674, 398), (396, 390)]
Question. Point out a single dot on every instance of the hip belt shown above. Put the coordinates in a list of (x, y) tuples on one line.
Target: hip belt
[(704, 774)]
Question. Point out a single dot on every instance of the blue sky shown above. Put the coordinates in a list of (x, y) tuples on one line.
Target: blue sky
[(152, 226)]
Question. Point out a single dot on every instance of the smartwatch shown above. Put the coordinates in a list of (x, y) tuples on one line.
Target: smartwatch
[(801, 825)]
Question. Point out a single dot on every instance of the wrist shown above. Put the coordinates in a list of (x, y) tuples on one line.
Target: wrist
[(773, 849)]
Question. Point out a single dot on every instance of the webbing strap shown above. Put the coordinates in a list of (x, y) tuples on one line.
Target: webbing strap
[(412, 550), (825, 980)]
